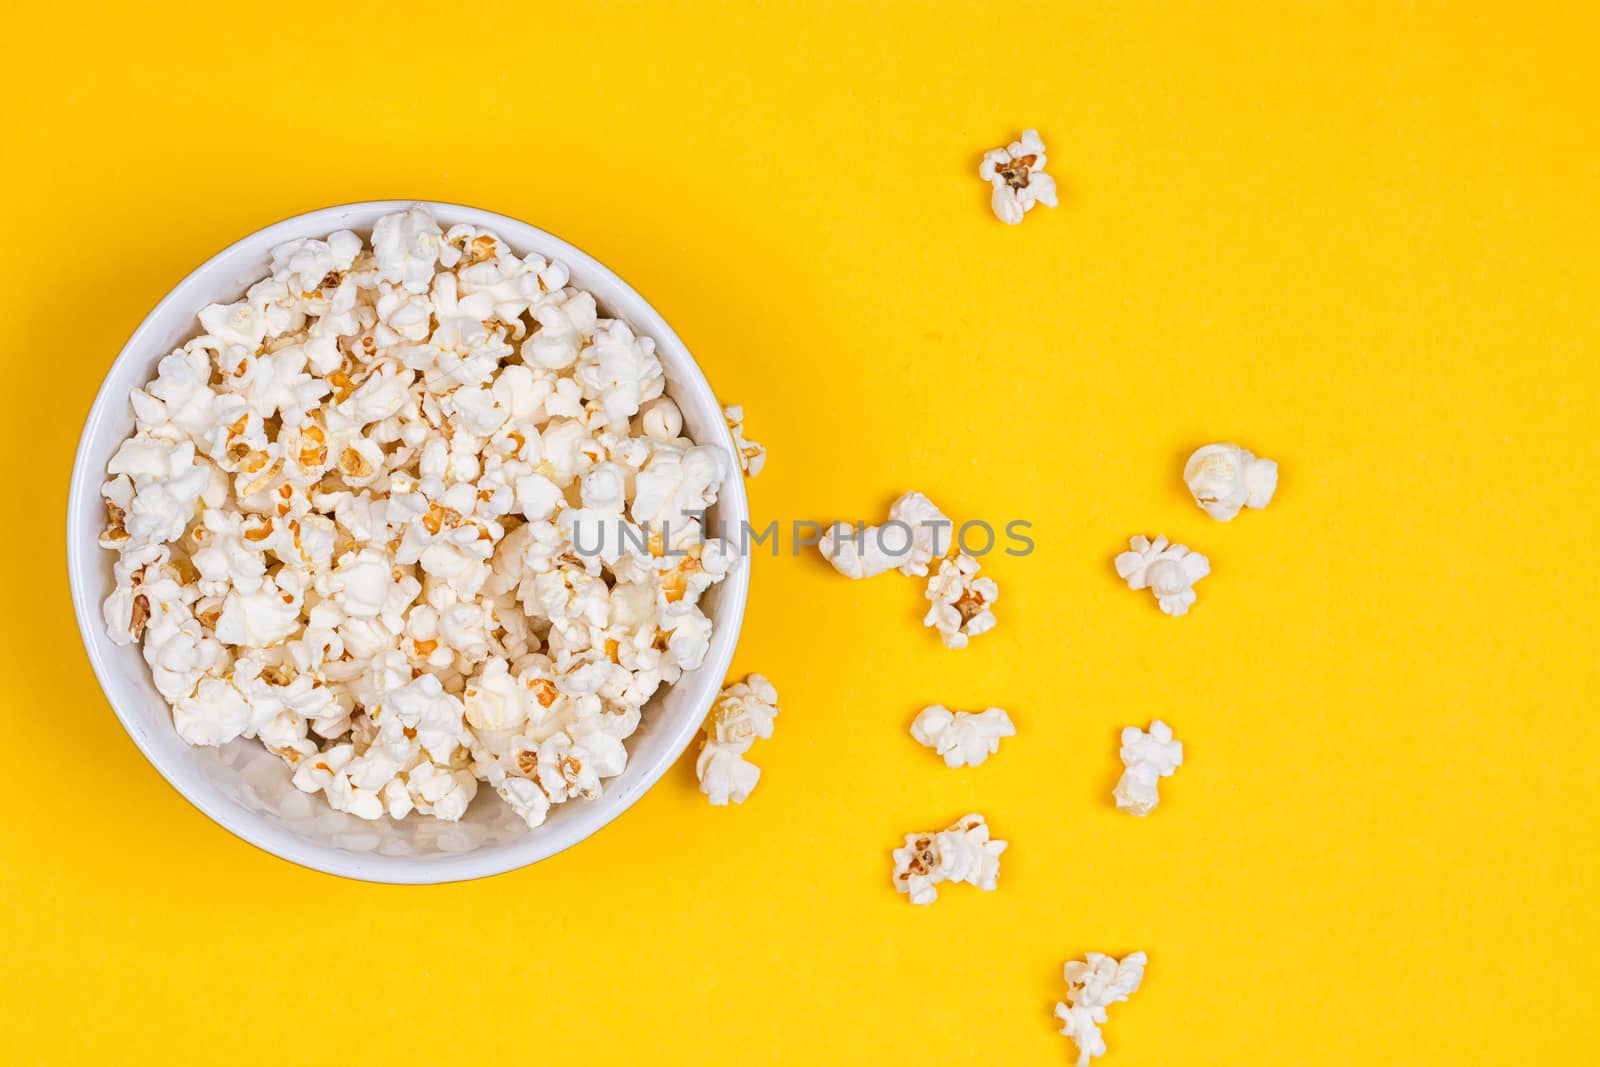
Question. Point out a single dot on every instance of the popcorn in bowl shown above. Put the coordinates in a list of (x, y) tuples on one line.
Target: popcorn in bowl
[(416, 517)]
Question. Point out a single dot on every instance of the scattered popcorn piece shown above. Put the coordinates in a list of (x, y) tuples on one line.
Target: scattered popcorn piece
[(1148, 758), (743, 712), (916, 534), (752, 456), (1224, 478), (855, 551), (930, 532), (1168, 570), (964, 739), (962, 603), (1017, 174), (1094, 984), (962, 853), (726, 777), (414, 515)]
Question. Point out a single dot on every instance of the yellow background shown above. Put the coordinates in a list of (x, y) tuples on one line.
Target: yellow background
[(1359, 238)]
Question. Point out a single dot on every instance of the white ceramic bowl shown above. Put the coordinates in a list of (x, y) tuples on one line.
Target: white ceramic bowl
[(247, 790)]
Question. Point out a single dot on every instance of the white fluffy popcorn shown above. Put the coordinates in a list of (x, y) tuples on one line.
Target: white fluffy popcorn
[(1147, 758), (964, 739), (1017, 174), (752, 456), (1223, 478), (1094, 984), (918, 539), (962, 853), (743, 712), (1169, 571), (916, 534), (415, 516), (961, 603)]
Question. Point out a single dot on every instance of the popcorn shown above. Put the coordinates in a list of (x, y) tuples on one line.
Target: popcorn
[(1093, 985), (930, 532), (1224, 478), (962, 603), (214, 714), (673, 490), (962, 738), (855, 551), (962, 853), (406, 246), (572, 764), (917, 533), (265, 617), (726, 777), (1017, 174), (1169, 571), (1148, 758), (166, 481), (743, 712), (752, 456), (661, 420), (416, 517), (620, 371)]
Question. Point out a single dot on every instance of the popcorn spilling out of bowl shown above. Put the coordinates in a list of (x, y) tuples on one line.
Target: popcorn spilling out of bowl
[(1093, 984), (418, 517), (1225, 478), (743, 712), (962, 738), (1017, 174), (1147, 757), (962, 853), (1169, 571)]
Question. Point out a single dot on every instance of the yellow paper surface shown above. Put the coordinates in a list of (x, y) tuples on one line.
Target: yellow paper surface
[(1359, 238)]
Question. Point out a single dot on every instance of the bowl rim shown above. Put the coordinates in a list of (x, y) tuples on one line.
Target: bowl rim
[(83, 491)]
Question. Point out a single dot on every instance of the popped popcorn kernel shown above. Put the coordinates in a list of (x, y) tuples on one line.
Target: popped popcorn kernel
[(1017, 174), (752, 456), (962, 604), (1147, 758), (964, 852), (1094, 984), (963, 739), (1225, 478), (916, 534), (1169, 571), (743, 712)]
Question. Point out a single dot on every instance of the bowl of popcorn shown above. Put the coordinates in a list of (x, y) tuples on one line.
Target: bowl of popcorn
[(399, 540)]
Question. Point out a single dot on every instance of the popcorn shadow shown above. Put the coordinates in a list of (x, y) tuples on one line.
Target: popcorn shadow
[(1105, 798), (1053, 980), (1176, 486), (685, 772)]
